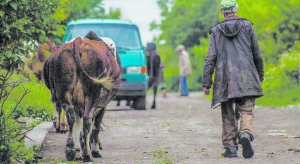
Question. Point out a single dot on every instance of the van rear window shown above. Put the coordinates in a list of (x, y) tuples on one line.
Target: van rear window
[(125, 37)]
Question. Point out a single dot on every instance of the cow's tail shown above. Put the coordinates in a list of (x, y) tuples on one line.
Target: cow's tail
[(106, 81), (46, 73)]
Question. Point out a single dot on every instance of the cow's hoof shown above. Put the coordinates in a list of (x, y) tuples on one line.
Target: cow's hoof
[(96, 154), (87, 159), (54, 124), (128, 103), (153, 107), (57, 131), (63, 131), (70, 154), (78, 155)]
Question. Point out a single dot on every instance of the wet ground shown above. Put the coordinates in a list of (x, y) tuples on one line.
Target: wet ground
[(186, 130)]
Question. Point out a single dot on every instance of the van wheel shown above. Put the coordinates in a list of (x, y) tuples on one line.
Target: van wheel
[(140, 103)]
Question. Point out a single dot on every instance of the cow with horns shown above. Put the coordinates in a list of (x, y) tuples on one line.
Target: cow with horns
[(83, 76)]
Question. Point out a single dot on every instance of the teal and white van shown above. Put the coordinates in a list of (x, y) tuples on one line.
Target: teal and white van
[(126, 35)]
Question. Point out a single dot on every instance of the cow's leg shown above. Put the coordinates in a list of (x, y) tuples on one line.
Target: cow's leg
[(76, 134), (154, 97), (118, 102), (95, 137), (63, 122), (70, 149), (86, 130), (56, 117), (128, 102)]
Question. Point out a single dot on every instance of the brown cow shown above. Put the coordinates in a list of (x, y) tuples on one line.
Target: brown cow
[(83, 76)]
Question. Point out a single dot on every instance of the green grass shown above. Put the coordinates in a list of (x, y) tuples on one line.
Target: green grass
[(37, 100)]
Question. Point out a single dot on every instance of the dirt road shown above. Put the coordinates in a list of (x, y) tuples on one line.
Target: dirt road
[(186, 130)]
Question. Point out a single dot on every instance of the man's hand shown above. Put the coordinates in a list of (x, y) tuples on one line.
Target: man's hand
[(206, 90)]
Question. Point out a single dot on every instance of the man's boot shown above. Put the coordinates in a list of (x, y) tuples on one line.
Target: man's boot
[(245, 139), (229, 152)]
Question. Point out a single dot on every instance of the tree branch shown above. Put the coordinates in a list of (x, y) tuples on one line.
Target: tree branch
[(24, 94), (6, 77)]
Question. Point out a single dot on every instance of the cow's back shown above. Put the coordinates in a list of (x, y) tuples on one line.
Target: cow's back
[(99, 62)]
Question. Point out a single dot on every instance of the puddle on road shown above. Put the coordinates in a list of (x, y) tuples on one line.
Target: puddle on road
[(278, 132)]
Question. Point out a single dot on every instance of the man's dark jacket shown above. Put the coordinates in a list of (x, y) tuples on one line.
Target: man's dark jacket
[(234, 54)]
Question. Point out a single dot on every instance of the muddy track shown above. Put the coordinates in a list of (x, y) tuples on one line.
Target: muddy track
[(185, 130)]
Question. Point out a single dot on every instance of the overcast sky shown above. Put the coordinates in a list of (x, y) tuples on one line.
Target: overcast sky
[(140, 12)]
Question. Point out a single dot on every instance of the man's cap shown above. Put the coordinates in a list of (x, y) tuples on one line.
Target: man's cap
[(180, 47), (225, 4)]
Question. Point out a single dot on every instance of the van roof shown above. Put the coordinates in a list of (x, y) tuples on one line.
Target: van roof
[(100, 21)]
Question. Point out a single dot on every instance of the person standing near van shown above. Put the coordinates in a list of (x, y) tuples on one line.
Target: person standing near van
[(235, 57), (185, 69)]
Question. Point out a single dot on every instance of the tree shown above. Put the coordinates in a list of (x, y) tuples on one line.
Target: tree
[(186, 22), (24, 23), (77, 9)]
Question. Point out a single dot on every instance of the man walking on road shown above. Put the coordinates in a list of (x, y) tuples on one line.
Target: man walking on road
[(235, 57)]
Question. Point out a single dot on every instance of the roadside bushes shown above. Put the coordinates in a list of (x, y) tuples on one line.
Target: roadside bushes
[(282, 86), (12, 148), (20, 96)]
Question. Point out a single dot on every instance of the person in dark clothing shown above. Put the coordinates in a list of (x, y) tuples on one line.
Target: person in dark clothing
[(235, 57), (153, 69)]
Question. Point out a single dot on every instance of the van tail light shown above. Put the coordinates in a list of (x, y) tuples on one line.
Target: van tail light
[(136, 70), (143, 70)]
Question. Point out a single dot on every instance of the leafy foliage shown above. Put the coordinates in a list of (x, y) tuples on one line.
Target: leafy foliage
[(77, 9), (193, 20), (12, 149), (277, 34), (281, 84), (186, 23), (24, 22)]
